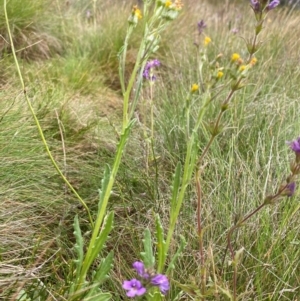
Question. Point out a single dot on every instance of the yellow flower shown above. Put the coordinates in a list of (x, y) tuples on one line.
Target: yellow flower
[(207, 40), (242, 68), (194, 88), (220, 74), (235, 57), (168, 3), (137, 12), (253, 61)]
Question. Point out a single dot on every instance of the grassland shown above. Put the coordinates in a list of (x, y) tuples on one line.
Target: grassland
[(68, 54)]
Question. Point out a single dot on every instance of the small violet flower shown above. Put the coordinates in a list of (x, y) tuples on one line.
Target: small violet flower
[(291, 188), (134, 288), (273, 4), (147, 70), (140, 269), (201, 26), (162, 282), (255, 5), (295, 145)]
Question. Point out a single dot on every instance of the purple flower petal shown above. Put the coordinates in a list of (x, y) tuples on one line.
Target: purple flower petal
[(140, 269), (291, 187), (273, 4), (295, 145), (255, 5), (147, 73), (134, 288), (162, 282), (201, 26)]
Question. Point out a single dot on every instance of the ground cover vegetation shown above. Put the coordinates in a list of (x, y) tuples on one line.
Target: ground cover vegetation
[(149, 150)]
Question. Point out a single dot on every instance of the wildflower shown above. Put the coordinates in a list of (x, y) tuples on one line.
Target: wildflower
[(207, 40), (253, 61), (168, 3), (291, 187), (220, 74), (201, 26), (255, 5), (136, 12), (272, 4), (194, 88), (140, 269), (295, 145), (242, 68), (162, 282), (235, 57), (148, 69), (134, 288)]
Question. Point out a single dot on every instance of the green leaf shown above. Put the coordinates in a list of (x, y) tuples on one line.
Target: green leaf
[(101, 239), (104, 184), (78, 246), (147, 255), (100, 276), (98, 297), (104, 268), (161, 244), (176, 186), (177, 254)]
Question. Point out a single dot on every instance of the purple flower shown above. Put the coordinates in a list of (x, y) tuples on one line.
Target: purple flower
[(273, 4), (201, 25), (255, 5), (162, 282), (291, 187), (147, 73), (295, 145), (134, 288), (140, 269)]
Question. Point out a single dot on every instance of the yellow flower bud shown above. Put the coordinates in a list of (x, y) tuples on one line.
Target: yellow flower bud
[(235, 57), (220, 74), (194, 88), (207, 40)]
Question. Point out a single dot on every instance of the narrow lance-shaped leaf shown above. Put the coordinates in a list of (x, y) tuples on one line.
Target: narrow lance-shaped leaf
[(175, 186), (100, 276), (147, 255), (104, 184), (177, 254), (98, 244), (104, 268), (161, 244), (78, 246), (101, 239)]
